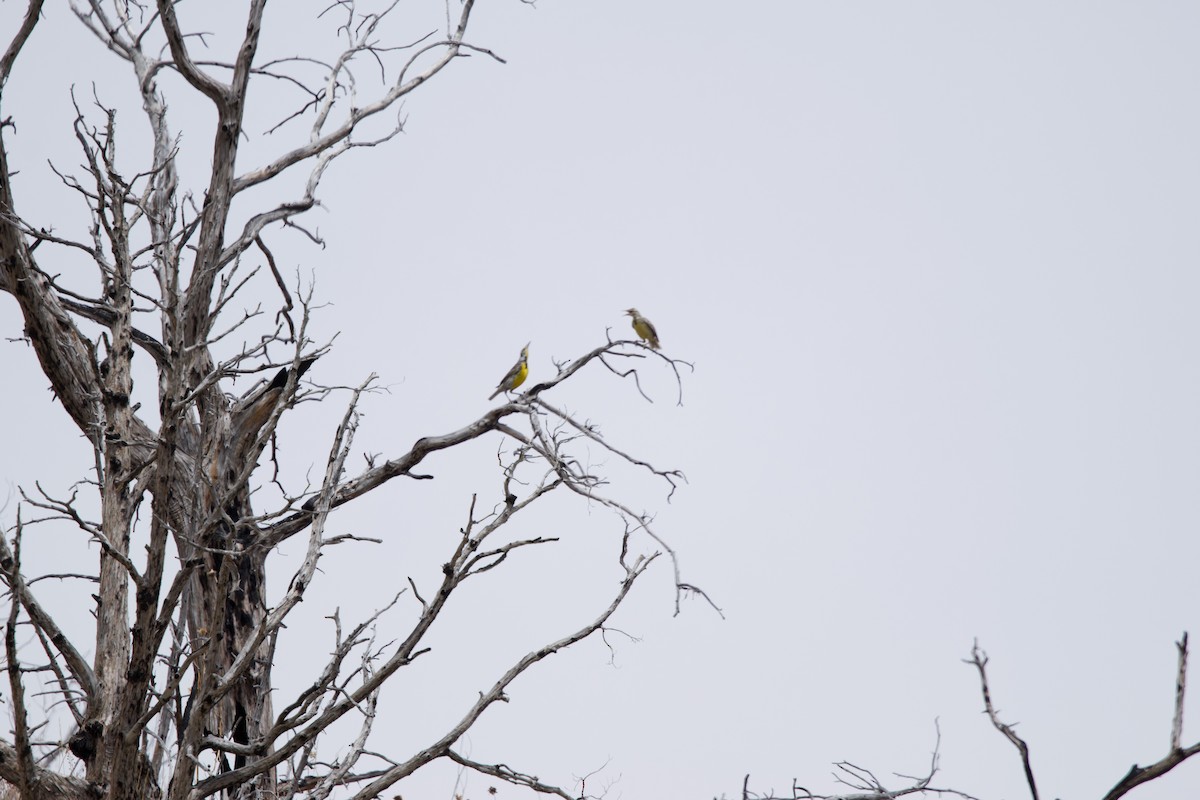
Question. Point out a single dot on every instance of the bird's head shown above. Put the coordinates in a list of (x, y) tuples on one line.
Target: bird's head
[(633, 312), (525, 351)]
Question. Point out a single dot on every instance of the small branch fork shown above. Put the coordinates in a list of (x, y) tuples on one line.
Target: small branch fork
[(865, 784), (619, 348), (1136, 775), (1178, 753), (551, 445)]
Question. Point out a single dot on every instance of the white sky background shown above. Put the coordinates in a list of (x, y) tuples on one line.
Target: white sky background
[(935, 263)]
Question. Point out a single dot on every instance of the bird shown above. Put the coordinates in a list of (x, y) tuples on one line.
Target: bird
[(643, 327), (515, 376)]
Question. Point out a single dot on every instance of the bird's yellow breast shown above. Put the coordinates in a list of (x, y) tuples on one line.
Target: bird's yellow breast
[(642, 328), (522, 373)]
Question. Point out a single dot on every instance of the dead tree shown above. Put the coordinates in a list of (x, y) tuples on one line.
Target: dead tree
[(177, 701), (865, 785)]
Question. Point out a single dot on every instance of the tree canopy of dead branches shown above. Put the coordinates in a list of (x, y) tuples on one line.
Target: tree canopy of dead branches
[(177, 700)]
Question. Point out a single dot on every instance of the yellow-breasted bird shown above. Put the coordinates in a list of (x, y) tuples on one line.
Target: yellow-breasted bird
[(643, 327), (515, 376)]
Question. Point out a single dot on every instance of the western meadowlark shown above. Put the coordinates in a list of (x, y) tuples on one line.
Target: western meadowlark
[(515, 376), (643, 327)]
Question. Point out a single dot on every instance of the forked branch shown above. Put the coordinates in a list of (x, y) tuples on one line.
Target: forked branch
[(1178, 754), (441, 748)]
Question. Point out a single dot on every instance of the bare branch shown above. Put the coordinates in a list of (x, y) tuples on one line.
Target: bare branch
[(866, 784), (979, 660), (106, 316), (1139, 775), (1180, 690), (215, 90), (51, 784), (506, 773), (32, 13), (586, 487), (377, 476), (441, 748), (319, 143), (25, 766), (78, 667), (670, 476)]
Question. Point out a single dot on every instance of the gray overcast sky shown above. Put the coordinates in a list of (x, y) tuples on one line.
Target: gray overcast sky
[(936, 266)]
